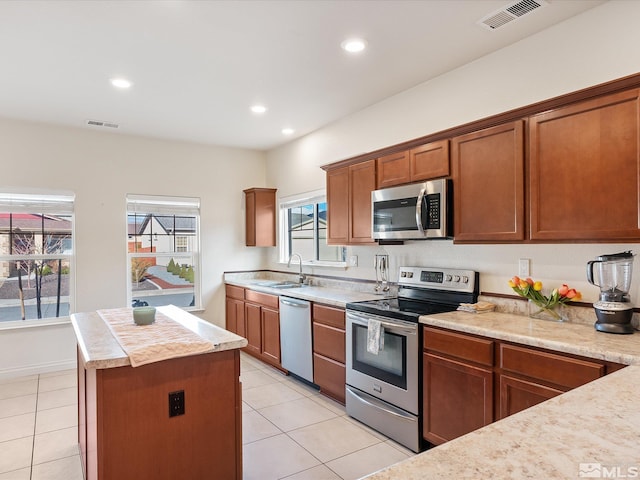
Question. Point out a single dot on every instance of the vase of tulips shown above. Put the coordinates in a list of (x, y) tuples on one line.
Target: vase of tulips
[(541, 306)]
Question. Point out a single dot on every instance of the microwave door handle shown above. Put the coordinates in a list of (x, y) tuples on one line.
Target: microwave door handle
[(419, 211)]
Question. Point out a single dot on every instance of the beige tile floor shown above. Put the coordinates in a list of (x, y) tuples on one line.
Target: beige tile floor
[(289, 430)]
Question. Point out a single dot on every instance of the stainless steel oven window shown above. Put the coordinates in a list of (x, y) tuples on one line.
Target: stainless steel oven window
[(389, 365)]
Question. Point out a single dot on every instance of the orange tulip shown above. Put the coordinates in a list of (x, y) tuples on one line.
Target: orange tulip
[(563, 290), (571, 294), (529, 280)]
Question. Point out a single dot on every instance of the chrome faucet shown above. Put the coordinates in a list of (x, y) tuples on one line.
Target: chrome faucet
[(301, 276)]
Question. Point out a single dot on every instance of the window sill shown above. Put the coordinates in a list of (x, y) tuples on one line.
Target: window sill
[(18, 324)]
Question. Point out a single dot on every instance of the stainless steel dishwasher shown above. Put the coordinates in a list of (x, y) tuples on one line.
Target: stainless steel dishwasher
[(295, 337)]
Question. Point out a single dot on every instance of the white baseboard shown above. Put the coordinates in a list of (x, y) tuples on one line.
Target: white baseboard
[(37, 369)]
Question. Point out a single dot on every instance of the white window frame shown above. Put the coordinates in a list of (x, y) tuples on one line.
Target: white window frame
[(284, 204), (41, 201), (168, 205)]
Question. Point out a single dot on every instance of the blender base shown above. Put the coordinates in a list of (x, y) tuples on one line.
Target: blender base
[(624, 328)]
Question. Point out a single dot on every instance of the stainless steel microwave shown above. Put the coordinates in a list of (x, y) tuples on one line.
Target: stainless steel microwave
[(412, 212)]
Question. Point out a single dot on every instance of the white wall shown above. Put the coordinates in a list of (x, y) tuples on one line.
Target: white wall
[(101, 168), (592, 48)]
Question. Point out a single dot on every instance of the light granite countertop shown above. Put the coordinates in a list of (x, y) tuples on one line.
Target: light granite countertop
[(337, 297), (565, 337), (593, 429), (100, 349)]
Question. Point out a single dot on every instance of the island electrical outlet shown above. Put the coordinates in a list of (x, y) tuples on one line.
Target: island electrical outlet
[(176, 403)]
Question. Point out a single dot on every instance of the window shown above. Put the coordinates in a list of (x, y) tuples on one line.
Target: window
[(303, 230), (163, 243), (36, 255)]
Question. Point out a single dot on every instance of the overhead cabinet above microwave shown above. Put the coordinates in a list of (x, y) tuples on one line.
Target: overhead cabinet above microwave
[(420, 163)]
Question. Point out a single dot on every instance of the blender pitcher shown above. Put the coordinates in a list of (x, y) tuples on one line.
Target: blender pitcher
[(614, 276)]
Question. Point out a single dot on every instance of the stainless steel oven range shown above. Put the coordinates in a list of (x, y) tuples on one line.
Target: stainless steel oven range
[(383, 348)]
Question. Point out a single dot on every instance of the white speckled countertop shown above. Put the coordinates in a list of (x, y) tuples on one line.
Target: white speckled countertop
[(593, 428), (337, 297), (100, 349), (564, 337)]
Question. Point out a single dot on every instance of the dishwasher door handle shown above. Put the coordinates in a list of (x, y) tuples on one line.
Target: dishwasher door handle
[(294, 304)]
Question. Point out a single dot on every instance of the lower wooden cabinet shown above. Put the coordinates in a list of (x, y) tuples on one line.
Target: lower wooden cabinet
[(470, 381), (457, 382), (329, 371), (255, 316)]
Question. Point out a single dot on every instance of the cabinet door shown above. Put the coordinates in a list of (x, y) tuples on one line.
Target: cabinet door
[(330, 376), (488, 184), (253, 325), (393, 169), (517, 395), (271, 335), (585, 170), (338, 206), (260, 217), (362, 181), (429, 161), (235, 316), (457, 398)]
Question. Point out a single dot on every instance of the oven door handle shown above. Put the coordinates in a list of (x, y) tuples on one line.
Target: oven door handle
[(363, 322)]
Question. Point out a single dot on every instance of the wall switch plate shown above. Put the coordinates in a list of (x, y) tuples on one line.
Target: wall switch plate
[(176, 403), (524, 267), (353, 261)]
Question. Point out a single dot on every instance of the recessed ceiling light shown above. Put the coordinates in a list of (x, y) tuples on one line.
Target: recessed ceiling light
[(258, 109), (121, 83), (354, 45), (287, 131)]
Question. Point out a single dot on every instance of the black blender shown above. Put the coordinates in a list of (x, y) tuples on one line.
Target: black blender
[(614, 309)]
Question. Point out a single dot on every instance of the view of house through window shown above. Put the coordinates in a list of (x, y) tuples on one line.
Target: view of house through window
[(36, 247), (304, 230), (163, 251)]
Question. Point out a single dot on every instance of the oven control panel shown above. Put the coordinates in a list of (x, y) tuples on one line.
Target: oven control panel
[(438, 278)]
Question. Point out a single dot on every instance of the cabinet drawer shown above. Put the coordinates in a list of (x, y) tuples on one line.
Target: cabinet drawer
[(557, 369), (331, 316), (330, 376), (329, 342), (234, 292), (459, 345), (266, 299)]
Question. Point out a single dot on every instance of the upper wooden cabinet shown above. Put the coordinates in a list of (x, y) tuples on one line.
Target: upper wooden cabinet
[(420, 163), (349, 203), (584, 170), (260, 217), (488, 184)]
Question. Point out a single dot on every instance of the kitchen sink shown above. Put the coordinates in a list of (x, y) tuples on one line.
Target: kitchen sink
[(280, 284)]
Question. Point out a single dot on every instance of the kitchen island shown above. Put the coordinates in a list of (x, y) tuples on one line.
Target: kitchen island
[(175, 418), (590, 431)]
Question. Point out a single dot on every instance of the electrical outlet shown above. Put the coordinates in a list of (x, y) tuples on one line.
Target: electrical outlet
[(524, 267), (353, 261), (176, 403)]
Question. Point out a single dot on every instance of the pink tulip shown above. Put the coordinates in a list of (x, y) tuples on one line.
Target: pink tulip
[(563, 290)]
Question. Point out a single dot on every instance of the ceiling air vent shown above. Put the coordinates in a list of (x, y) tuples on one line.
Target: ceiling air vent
[(510, 12), (98, 123)]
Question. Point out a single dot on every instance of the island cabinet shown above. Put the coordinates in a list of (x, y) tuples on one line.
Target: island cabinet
[(260, 221), (420, 163), (528, 377), (349, 203), (457, 382), (489, 184), (329, 351), (262, 326), (126, 429), (585, 170)]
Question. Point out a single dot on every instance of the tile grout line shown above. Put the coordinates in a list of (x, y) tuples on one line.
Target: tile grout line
[(35, 420)]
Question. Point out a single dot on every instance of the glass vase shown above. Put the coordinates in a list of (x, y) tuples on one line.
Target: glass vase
[(556, 313)]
